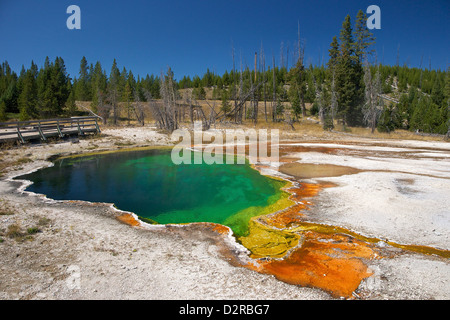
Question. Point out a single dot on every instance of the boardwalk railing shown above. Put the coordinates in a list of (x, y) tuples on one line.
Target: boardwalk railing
[(42, 129)]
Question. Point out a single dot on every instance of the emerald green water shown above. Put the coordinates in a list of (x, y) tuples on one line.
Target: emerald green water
[(150, 185)]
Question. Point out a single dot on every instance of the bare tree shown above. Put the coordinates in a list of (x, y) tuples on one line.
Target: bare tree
[(234, 97), (165, 112), (255, 93), (191, 107), (274, 81), (398, 55), (334, 98), (242, 100), (242, 113), (282, 55), (168, 112), (320, 100), (301, 67), (104, 110), (206, 122), (263, 62), (138, 108), (113, 98), (155, 110), (373, 102)]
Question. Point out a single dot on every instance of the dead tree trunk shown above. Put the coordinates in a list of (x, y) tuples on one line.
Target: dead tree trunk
[(242, 110), (113, 97), (256, 96), (168, 97), (274, 90), (234, 97), (373, 104), (241, 103), (300, 65), (103, 109), (252, 101), (139, 109), (334, 101), (165, 112), (264, 81)]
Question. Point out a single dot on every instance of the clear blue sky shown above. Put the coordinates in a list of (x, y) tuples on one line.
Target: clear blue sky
[(191, 36)]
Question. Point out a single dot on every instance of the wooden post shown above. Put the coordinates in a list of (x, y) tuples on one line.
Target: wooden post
[(40, 132), (59, 129), (96, 125), (80, 132), (20, 134)]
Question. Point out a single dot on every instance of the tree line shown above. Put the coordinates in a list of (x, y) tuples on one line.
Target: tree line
[(347, 90), (39, 93)]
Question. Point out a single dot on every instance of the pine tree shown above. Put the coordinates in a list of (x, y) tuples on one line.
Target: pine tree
[(363, 37), (123, 78), (98, 85), (128, 93), (334, 55), (293, 94), (447, 101), (3, 116), (447, 86), (8, 88), (345, 74), (348, 78), (83, 89), (388, 120), (52, 88), (279, 109), (185, 83), (44, 89), (404, 111), (207, 80), (437, 94), (199, 93), (113, 90), (226, 106), (155, 87), (297, 89), (419, 115), (70, 103), (60, 82), (27, 100)]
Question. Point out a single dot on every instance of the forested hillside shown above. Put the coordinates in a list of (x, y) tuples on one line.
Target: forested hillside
[(347, 90)]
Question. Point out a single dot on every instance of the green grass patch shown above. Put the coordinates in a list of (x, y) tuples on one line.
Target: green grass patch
[(33, 230)]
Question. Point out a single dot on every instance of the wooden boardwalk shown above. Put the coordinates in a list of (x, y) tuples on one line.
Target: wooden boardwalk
[(23, 131)]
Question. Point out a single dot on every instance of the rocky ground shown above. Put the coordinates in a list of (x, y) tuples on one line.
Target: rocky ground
[(400, 194), (76, 250)]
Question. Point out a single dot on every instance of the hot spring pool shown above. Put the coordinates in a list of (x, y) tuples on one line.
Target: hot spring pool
[(149, 184)]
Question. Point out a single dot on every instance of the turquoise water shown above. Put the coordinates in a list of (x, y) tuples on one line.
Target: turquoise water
[(150, 185)]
